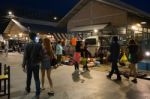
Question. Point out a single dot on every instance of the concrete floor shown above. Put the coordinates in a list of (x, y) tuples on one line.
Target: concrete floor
[(71, 85)]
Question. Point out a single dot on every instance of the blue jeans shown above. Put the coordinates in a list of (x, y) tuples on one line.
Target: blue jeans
[(35, 70)]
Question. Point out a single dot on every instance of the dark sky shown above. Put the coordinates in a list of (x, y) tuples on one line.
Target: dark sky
[(59, 7), (47, 9), (140, 4), (54, 7)]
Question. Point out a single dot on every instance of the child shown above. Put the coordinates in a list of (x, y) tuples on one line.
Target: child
[(85, 54)]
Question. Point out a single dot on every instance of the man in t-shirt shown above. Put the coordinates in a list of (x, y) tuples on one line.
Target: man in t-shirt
[(59, 52), (32, 58)]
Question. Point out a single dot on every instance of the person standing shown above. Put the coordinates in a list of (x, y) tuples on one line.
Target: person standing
[(114, 57), (31, 60), (133, 59), (6, 47), (48, 54), (59, 52)]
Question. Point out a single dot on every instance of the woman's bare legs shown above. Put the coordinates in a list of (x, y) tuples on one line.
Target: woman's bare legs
[(49, 79), (43, 77)]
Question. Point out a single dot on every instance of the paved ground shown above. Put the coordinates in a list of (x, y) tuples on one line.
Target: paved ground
[(70, 85)]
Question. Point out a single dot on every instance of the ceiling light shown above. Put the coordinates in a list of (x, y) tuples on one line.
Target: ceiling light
[(147, 53), (10, 13), (143, 22), (134, 27), (95, 30), (55, 18), (139, 25)]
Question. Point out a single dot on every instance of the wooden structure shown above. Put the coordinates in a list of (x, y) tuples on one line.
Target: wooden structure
[(4, 80)]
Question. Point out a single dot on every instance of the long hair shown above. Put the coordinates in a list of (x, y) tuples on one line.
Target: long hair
[(48, 46)]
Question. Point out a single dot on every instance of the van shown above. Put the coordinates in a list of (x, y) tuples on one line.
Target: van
[(93, 44)]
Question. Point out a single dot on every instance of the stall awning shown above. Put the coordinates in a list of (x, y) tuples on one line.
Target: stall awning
[(89, 28)]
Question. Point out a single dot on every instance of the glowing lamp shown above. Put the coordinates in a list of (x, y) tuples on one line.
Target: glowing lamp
[(147, 53)]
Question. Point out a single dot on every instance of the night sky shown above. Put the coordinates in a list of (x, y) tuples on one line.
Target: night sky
[(59, 7), (140, 4), (47, 9)]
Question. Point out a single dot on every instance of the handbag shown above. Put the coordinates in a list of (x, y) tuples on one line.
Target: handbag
[(53, 61)]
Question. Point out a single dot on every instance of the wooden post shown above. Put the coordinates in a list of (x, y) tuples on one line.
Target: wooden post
[(8, 68), (5, 72)]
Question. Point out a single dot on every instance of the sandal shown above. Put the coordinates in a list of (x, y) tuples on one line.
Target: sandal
[(42, 88), (51, 93)]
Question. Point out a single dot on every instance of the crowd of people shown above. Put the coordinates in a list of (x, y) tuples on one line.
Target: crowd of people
[(41, 56), (11, 46)]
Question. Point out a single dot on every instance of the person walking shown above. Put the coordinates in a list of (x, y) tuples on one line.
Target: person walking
[(48, 54), (31, 60), (133, 59), (77, 55), (85, 54), (59, 52), (114, 57)]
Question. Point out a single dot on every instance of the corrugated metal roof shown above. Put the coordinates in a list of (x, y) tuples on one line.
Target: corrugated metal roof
[(44, 28)]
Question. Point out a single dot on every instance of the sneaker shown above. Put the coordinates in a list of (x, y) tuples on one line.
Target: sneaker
[(118, 79), (126, 76), (134, 80), (108, 76), (36, 97)]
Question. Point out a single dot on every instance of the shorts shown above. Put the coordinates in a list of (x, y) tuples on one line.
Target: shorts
[(46, 64)]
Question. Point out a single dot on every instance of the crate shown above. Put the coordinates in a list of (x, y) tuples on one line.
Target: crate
[(144, 66)]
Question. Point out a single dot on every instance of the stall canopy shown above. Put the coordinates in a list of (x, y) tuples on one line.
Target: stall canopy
[(89, 28), (43, 28), (57, 32)]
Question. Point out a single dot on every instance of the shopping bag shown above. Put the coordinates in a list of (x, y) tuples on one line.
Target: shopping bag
[(129, 57), (123, 58)]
